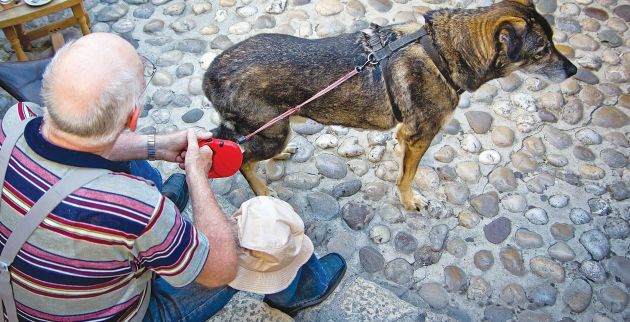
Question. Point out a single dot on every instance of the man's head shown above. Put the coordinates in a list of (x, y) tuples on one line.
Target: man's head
[(92, 87)]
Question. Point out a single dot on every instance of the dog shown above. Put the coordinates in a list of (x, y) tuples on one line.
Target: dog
[(417, 87)]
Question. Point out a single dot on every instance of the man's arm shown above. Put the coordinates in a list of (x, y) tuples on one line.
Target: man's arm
[(209, 218), (129, 146), (133, 146)]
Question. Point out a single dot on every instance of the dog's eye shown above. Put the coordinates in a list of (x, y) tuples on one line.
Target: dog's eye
[(542, 52)]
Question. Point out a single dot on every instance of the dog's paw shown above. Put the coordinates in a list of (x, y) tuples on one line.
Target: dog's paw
[(282, 156), (263, 190), (270, 192), (414, 201), (291, 148), (420, 201)]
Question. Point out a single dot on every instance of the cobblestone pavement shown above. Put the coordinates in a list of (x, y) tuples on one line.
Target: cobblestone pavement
[(529, 182)]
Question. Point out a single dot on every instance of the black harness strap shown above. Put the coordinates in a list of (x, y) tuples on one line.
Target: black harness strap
[(374, 41), (376, 45), (387, 76), (440, 63), (397, 44), (380, 52)]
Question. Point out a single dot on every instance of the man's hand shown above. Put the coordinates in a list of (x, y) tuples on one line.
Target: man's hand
[(208, 217), (197, 161), (172, 147)]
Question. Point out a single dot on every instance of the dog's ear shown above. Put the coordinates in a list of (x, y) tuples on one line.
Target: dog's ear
[(528, 3), (509, 37)]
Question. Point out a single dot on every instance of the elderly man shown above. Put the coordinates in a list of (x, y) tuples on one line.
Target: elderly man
[(114, 248)]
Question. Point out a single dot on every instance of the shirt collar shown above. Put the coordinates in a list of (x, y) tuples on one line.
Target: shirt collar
[(41, 146)]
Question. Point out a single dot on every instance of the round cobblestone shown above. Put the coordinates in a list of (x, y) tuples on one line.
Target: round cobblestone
[(484, 260), (512, 261), (399, 271), (596, 243), (578, 296), (562, 175), (371, 259)]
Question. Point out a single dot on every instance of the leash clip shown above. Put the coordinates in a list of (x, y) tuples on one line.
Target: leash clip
[(370, 61), (4, 267)]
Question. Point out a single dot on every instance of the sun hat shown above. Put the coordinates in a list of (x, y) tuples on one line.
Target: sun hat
[(273, 245)]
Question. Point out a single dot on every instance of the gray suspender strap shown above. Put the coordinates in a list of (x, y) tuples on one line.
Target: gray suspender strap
[(7, 147), (73, 180), (12, 135)]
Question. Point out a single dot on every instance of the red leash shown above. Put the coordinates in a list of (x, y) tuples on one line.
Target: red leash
[(298, 107)]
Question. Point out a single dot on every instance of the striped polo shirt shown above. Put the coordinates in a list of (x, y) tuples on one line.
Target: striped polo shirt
[(93, 257)]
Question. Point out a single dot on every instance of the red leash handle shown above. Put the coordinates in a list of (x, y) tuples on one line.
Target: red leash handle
[(295, 109)]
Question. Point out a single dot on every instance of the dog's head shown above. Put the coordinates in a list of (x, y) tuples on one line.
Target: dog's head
[(523, 40)]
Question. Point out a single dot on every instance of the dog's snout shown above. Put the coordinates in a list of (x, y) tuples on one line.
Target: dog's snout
[(569, 68)]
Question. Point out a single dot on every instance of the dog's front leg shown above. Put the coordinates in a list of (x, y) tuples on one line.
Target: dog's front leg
[(412, 154), (248, 169)]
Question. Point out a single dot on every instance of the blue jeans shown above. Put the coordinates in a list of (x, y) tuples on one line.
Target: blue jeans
[(197, 303), (143, 168)]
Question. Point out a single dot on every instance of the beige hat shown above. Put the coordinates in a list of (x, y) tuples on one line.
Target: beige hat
[(273, 245)]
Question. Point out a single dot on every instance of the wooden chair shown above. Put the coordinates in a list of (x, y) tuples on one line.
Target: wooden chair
[(12, 19)]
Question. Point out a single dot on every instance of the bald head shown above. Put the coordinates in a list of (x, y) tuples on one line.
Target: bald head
[(89, 65), (92, 85)]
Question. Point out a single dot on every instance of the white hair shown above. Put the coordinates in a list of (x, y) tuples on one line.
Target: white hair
[(105, 117)]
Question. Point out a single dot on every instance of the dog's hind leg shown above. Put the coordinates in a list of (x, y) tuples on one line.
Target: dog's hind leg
[(412, 153), (248, 169)]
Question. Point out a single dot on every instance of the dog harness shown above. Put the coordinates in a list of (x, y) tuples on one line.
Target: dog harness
[(379, 53), (26, 225), (382, 51)]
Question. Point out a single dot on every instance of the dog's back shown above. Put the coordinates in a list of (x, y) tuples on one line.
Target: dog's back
[(267, 64), (261, 77)]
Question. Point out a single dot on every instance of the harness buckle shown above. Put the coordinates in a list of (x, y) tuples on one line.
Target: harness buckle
[(370, 60)]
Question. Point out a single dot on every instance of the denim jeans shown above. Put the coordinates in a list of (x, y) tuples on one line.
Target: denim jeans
[(143, 168), (190, 303), (198, 303)]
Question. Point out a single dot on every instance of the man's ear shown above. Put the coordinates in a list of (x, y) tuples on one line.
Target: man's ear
[(132, 122), (510, 38)]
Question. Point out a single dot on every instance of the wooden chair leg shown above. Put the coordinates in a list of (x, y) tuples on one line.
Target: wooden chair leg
[(57, 41), (24, 40), (79, 13), (12, 36)]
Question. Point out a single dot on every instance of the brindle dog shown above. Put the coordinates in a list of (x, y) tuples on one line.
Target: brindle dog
[(261, 77)]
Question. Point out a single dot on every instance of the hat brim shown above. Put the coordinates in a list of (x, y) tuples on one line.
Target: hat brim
[(276, 281)]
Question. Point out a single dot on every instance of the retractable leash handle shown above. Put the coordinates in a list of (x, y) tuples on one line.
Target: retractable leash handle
[(226, 159)]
